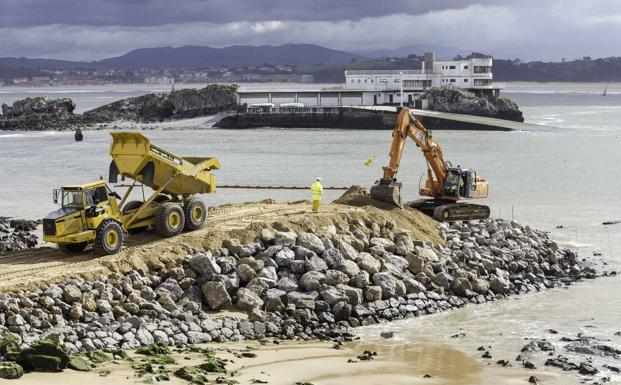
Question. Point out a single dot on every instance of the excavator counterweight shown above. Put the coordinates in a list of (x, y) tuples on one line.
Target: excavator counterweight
[(445, 185)]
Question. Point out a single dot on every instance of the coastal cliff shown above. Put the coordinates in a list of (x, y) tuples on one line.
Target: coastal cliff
[(181, 104), (464, 102), (44, 113)]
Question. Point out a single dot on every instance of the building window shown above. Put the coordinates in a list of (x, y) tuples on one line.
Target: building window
[(465, 80), (452, 80), (465, 67), (352, 80), (365, 80), (452, 67), (396, 80), (358, 80), (371, 80)]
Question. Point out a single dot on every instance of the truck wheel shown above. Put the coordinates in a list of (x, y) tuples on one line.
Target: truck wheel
[(169, 219), (195, 213), (109, 237), (72, 247), (130, 206)]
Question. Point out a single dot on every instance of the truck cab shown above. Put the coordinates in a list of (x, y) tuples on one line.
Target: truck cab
[(460, 183), (83, 208)]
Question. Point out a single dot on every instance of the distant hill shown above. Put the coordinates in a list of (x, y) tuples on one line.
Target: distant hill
[(48, 64), (238, 55), (191, 57), (442, 52)]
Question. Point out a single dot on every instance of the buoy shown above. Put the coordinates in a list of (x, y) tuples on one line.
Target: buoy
[(78, 135), (369, 160)]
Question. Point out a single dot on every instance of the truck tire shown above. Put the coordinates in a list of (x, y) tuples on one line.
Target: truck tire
[(195, 213), (169, 219), (72, 247), (161, 198), (133, 205), (109, 237)]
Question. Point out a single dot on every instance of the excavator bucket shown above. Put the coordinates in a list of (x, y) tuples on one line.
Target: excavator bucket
[(387, 192)]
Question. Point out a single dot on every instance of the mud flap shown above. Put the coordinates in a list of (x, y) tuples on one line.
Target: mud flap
[(113, 174)]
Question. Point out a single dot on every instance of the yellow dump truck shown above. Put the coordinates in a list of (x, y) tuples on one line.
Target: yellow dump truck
[(93, 214)]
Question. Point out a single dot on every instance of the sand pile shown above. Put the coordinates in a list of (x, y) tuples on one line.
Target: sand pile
[(358, 196)]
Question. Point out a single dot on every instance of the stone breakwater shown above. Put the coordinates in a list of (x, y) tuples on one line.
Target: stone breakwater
[(304, 285), (17, 234)]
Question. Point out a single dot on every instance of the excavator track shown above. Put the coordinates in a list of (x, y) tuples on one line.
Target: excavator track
[(443, 211)]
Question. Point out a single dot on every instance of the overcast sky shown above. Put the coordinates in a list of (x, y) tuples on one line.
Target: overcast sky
[(95, 29)]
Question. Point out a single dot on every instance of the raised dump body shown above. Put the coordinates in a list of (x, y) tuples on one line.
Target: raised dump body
[(135, 157)]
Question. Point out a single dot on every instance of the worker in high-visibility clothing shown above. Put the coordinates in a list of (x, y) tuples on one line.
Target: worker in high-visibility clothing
[(317, 191)]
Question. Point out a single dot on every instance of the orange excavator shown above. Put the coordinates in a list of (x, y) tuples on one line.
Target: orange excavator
[(446, 185)]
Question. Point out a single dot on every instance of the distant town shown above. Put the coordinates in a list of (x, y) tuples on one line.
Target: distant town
[(86, 77)]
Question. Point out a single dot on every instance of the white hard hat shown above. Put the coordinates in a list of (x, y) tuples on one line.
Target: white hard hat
[(318, 178)]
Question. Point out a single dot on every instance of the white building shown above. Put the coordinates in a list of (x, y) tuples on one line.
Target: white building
[(384, 86), (378, 87)]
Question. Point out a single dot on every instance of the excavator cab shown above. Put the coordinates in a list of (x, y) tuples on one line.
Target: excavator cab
[(460, 183)]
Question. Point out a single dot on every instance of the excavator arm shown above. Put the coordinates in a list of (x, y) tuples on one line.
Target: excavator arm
[(388, 189)]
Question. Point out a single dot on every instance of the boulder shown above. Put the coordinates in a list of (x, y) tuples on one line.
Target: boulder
[(248, 300), (499, 285), (172, 286), (315, 263), (311, 242), (285, 238), (312, 280), (10, 370), (204, 263), (348, 267), (387, 283), (369, 263), (215, 295), (72, 293)]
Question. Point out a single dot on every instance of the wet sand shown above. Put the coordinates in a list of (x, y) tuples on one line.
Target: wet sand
[(319, 363)]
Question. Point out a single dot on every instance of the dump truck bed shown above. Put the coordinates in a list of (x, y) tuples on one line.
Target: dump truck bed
[(135, 157)]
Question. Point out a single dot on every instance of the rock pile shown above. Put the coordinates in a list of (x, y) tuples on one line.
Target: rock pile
[(37, 113), (181, 104), (464, 102), (44, 113), (313, 284), (17, 234)]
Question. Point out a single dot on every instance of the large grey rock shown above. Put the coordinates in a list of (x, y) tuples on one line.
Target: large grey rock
[(215, 295), (427, 254), (312, 280), (384, 243), (461, 286), (348, 267), (204, 263), (284, 238), (72, 293), (176, 292), (234, 246), (412, 286), (480, 286), (499, 285), (416, 263), (315, 263), (347, 251), (369, 263), (332, 295), (248, 300), (387, 282), (311, 242), (332, 257), (287, 284), (335, 277), (284, 257), (443, 279), (246, 273)]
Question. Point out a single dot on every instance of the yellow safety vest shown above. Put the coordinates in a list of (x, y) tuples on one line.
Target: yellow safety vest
[(317, 191)]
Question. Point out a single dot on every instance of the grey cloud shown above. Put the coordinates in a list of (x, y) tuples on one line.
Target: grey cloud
[(530, 29), (15, 13)]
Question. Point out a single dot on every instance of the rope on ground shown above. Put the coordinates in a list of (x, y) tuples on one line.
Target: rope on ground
[(235, 186)]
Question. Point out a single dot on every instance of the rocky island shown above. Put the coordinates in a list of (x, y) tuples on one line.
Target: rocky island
[(43, 113)]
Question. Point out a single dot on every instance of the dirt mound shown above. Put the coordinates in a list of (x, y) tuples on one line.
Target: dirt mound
[(359, 197)]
